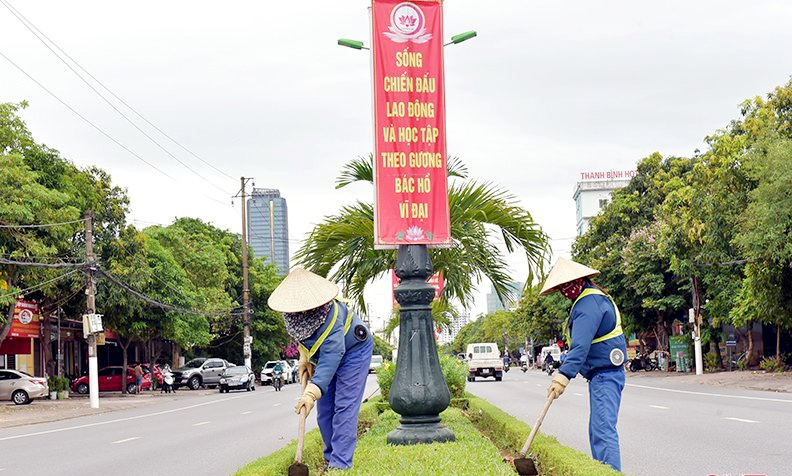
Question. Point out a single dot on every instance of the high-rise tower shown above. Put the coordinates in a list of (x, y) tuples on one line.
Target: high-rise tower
[(268, 227)]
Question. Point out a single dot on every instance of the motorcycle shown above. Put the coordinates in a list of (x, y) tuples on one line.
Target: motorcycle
[(524, 367), (277, 380), (643, 362), (167, 382)]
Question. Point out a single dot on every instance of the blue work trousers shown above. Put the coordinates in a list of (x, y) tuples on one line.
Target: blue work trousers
[(605, 390), (337, 410)]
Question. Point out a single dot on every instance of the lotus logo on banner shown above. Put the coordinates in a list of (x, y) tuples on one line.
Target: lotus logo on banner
[(407, 24)]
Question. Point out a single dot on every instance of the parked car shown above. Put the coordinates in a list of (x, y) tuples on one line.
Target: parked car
[(376, 363), (20, 387), (237, 377), (110, 380), (201, 371), (266, 372)]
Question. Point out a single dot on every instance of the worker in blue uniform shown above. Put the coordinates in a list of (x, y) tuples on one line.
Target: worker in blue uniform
[(340, 344), (597, 349)]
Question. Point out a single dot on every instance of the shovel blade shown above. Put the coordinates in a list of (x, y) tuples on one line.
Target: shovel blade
[(525, 467), (298, 469)]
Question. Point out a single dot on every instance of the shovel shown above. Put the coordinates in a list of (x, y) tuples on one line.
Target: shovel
[(298, 468), (525, 466)]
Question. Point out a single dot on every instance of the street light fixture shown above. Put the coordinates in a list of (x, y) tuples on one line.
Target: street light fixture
[(354, 44), (455, 40)]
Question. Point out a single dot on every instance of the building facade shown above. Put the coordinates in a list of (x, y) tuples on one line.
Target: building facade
[(495, 304), (268, 227), (593, 193), (448, 335)]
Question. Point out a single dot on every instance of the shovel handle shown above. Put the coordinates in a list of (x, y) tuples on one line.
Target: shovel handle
[(536, 426), (301, 429)]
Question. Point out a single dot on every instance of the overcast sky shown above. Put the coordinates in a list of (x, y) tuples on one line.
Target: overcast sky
[(546, 91)]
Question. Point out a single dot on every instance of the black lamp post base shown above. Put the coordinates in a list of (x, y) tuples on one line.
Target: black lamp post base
[(419, 430)]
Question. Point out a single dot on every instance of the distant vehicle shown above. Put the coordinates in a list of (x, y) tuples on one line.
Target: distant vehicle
[(376, 363), (239, 377), (484, 361), (266, 372), (110, 380), (293, 364), (20, 387), (555, 352), (200, 372)]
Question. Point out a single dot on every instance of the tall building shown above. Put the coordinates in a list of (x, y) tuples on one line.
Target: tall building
[(593, 193), (268, 227), (448, 335), (495, 304)]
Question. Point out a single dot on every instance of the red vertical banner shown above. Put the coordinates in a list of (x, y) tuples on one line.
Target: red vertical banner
[(410, 175)]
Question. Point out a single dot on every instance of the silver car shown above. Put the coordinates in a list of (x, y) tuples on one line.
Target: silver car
[(21, 388)]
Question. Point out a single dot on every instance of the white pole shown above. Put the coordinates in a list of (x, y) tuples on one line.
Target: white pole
[(93, 381)]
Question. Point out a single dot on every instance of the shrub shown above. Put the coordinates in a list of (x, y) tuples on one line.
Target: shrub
[(385, 376), (454, 371), (771, 364), (711, 362)]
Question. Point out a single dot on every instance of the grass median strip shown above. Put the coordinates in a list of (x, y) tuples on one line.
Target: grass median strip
[(485, 437)]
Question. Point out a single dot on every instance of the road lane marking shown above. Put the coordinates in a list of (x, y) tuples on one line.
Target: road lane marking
[(202, 423), (743, 420), (119, 420), (578, 394), (276, 404), (126, 439), (659, 407), (706, 394), (247, 413)]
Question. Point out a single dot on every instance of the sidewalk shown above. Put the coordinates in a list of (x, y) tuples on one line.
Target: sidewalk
[(747, 379), (45, 410)]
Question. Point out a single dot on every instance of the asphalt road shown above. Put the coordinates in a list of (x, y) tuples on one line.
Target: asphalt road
[(212, 434), (665, 428)]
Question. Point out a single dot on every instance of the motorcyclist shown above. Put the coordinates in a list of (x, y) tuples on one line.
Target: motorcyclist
[(277, 375)]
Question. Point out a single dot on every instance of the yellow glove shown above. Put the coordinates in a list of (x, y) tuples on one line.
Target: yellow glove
[(305, 368), (557, 386), (308, 399)]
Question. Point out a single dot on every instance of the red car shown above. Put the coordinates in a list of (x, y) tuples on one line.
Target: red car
[(110, 380)]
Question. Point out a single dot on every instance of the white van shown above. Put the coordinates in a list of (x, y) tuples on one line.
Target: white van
[(553, 350), (484, 360)]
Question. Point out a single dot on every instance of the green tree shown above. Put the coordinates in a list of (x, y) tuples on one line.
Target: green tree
[(342, 246)]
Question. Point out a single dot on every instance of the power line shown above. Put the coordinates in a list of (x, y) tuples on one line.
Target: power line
[(115, 141), (159, 304), (85, 118), (42, 225), (28, 24), (40, 285), (41, 265)]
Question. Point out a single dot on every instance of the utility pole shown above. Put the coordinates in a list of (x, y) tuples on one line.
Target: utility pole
[(90, 291), (247, 340)]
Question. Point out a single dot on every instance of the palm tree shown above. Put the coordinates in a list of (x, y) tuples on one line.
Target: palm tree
[(343, 244)]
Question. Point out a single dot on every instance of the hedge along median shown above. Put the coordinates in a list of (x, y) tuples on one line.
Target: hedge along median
[(486, 436)]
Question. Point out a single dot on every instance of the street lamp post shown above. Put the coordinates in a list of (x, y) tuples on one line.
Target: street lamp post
[(419, 392)]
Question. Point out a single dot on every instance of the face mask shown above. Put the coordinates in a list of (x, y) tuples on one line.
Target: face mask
[(572, 289)]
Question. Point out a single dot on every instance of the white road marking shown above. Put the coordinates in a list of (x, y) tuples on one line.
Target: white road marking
[(202, 423), (276, 405), (118, 420), (578, 394), (743, 420), (125, 440), (706, 394), (659, 407), (246, 413)]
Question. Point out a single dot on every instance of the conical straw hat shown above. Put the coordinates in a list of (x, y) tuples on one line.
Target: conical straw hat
[(302, 290), (565, 271)]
